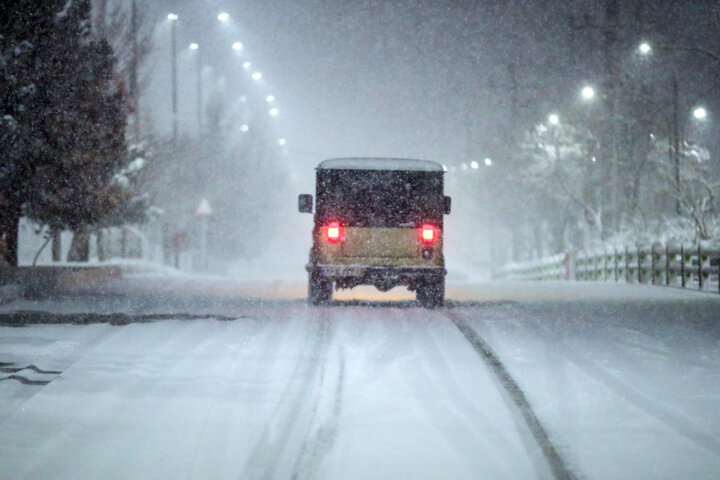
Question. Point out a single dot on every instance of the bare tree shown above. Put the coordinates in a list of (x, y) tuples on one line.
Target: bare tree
[(697, 192), (562, 164)]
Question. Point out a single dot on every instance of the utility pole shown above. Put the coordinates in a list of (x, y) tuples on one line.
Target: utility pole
[(173, 39), (199, 91), (676, 141), (134, 69), (610, 30)]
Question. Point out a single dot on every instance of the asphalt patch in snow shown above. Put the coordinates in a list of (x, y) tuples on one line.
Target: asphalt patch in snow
[(9, 367), (24, 318), (34, 368), (25, 380)]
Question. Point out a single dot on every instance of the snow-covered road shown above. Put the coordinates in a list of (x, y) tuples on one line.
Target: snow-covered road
[(602, 384)]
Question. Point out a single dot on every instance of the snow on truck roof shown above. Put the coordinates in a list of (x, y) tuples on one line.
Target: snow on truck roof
[(357, 163)]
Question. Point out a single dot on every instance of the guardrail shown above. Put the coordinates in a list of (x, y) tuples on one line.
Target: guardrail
[(686, 266)]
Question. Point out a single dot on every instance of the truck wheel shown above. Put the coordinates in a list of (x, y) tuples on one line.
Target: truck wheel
[(319, 290), (431, 294)]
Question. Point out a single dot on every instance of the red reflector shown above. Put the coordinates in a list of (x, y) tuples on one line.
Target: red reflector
[(427, 234), (334, 232)]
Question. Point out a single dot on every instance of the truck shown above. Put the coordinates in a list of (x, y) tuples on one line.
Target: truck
[(377, 221)]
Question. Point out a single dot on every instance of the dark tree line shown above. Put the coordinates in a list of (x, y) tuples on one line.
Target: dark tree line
[(63, 122)]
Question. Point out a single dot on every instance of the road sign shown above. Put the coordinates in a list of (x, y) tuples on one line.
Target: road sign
[(204, 209)]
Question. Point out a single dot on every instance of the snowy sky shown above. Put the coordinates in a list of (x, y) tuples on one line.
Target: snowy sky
[(368, 78), (410, 78)]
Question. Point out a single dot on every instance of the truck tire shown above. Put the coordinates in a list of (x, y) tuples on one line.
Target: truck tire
[(431, 294), (319, 290)]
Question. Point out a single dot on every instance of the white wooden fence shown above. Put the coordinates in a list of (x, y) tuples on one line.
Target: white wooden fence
[(686, 266)]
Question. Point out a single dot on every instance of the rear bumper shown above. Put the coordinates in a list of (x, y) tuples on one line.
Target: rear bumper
[(350, 275)]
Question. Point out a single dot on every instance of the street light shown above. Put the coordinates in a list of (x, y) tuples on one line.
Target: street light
[(237, 46), (700, 113), (247, 65), (475, 165), (196, 48), (244, 128), (588, 93), (488, 162), (203, 211), (256, 76), (223, 17), (553, 119), (274, 112), (282, 142), (270, 98), (644, 48), (172, 17)]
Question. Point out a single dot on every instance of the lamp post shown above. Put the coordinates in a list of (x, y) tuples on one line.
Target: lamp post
[(133, 67), (699, 113), (204, 210), (173, 40), (198, 57)]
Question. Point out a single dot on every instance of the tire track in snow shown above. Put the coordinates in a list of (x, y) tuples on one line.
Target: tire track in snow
[(675, 421), (317, 446), (295, 413), (555, 461)]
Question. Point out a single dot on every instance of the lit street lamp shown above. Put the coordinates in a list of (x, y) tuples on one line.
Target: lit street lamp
[(475, 165), (237, 46), (488, 162), (256, 76), (553, 119), (700, 113), (223, 17), (274, 112), (645, 49), (588, 93)]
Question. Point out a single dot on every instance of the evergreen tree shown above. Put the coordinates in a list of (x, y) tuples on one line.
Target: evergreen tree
[(75, 188), (27, 32), (63, 119)]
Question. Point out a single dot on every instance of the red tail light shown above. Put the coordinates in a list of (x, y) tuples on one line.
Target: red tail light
[(427, 234), (334, 232)]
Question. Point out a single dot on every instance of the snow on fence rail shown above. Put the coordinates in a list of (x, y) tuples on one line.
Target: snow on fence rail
[(686, 266)]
